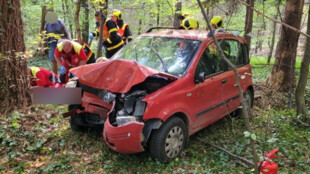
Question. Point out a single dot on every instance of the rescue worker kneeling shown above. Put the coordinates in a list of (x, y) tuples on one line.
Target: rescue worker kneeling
[(43, 78), (69, 54)]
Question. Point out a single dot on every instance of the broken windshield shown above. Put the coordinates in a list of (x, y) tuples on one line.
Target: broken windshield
[(170, 55)]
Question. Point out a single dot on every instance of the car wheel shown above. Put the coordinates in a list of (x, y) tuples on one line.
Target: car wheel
[(248, 100), (76, 120), (169, 140)]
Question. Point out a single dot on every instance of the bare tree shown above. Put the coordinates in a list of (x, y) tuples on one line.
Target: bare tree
[(274, 28), (282, 76), (248, 22), (304, 71), (14, 86), (77, 22), (85, 25), (103, 14)]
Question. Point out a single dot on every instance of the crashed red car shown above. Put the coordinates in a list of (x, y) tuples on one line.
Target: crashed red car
[(161, 88)]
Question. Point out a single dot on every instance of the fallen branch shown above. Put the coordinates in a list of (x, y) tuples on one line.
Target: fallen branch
[(229, 153), (274, 20)]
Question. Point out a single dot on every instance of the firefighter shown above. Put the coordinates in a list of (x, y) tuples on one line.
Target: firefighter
[(69, 54), (123, 29), (181, 17), (43, 78), (112, 40), (189, 24), (216, 23)]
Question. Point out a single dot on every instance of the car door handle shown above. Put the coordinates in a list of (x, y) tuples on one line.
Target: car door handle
[(224, 81)]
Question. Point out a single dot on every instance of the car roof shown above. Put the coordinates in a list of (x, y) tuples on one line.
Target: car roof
[(192, 34)]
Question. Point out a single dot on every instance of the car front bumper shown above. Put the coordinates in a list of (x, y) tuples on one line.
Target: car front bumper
[(124, 139)]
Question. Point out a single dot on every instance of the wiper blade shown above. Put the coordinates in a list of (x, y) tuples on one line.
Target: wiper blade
[(161, 59)]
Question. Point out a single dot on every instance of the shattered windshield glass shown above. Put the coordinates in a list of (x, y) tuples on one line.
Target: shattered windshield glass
[(170, 55)]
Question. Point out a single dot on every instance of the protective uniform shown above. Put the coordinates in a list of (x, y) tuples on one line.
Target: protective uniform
[(113, 42), (69, 60), (44, 78), (123, 29)]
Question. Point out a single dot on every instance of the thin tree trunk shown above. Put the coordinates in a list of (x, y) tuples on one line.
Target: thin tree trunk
[(178, 8), (158, 13), (282, 76), (77, 22), (140, 26), (85, 26), (103, 14), (69, 19), (14, 83), (274, 28), (304, 71), (249, 23)]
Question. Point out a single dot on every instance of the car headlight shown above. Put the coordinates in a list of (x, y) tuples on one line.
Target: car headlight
[(71, 84)]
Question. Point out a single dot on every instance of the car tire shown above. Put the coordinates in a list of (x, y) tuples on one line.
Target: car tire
[(248, 98), (168, 141), (76, 120)]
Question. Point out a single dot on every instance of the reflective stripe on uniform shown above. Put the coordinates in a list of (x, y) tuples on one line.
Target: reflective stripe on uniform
[(76, 46), (116, 46), (112, 30), (108, 39)]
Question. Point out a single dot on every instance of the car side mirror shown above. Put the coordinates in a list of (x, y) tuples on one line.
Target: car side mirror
[(200, 78)]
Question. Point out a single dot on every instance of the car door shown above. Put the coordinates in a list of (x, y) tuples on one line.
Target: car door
[(208, 91), (237, 54)]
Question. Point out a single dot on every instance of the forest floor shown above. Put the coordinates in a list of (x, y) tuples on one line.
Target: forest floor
[(39, 140)]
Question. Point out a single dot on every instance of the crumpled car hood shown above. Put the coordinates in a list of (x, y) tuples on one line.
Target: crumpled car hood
[(116, 76)]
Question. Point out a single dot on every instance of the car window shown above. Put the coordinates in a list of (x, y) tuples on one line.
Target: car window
[(171, 55), (210, 61), (235, 52)]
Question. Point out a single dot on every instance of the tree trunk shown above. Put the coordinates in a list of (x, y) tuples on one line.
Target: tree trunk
[(69, 19), (77, 22), (43, 18), (178, 8), (282, 76), (85, 26), (14, 85), (274, 29), (248, 23), (140, 26), (304, 71), (158, 13), (103, 16)]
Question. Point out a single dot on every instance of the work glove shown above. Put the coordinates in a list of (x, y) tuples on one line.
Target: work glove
[(91, 36), (62, 70)]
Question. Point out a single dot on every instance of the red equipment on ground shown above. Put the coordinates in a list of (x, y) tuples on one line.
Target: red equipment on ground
[(268, 166)]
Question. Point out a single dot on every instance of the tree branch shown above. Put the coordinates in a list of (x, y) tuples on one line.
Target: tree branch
[(229, 153), (274, 20)]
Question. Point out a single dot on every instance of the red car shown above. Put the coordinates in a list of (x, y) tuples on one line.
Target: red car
[(161, 88)]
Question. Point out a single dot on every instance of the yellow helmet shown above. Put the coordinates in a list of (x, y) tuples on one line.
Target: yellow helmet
[(217, 21), (189, 23), (117, 13), (185, 14)]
